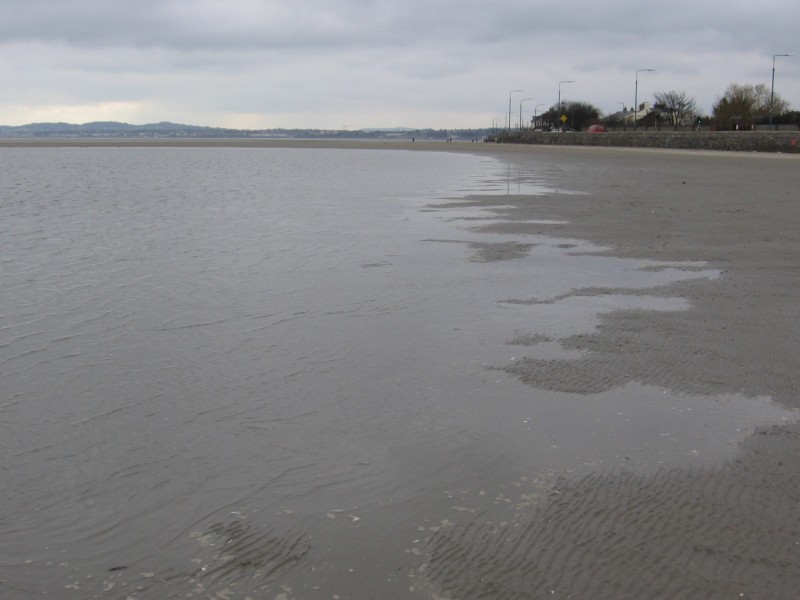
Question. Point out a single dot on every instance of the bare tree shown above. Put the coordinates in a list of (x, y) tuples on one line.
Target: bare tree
[(744, 104), (677, 107)]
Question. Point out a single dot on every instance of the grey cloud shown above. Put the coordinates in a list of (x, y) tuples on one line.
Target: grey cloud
[(314, 25), (186, 25)]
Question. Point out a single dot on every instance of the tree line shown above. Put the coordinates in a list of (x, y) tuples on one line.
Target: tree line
[(742, 106)]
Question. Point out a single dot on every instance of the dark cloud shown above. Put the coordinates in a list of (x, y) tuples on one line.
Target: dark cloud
[(316, 23)]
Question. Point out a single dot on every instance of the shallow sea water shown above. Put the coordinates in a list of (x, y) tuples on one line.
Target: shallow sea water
[(271, 373)]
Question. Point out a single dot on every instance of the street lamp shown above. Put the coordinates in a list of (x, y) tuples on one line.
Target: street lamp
[(559, 95), (534, 113), (494, 124), (509, 108), (636, 96), (772, 93), (520, 111)]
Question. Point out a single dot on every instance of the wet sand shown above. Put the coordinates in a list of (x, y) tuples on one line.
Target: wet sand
[(732, 530), (721, 531)]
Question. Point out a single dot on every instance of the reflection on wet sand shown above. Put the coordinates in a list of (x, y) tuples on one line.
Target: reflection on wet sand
[(250, 382)]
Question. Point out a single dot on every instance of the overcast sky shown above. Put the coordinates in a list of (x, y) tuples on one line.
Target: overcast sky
[(333, 64)]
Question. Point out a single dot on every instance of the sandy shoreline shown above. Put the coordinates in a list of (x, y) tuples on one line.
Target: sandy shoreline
[(728, 531), (477, 147), (731, 530)]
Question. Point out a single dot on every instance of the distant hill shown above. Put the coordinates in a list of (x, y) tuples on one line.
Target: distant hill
[(111, 129)]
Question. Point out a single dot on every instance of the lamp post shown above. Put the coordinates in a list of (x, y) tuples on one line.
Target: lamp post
[(559, 97), (494, 124), (509, 108), (636, 96), (534, 113), (624, 122), (772, 93), (520, 111)]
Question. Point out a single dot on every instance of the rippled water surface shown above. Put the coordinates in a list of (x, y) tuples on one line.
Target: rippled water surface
[(267, 372)]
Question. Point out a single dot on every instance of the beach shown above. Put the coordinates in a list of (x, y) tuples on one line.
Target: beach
[(731, 530), (720, 235)]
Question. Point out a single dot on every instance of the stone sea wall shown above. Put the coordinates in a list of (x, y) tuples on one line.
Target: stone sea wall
[(742, 141)]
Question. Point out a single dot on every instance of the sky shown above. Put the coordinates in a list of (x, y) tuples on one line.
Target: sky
[(353, 64)]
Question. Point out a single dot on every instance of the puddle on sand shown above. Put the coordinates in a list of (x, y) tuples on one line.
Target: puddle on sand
[(514, 179), (543, 293)]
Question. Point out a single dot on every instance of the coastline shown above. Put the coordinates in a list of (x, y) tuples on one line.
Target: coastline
[(730, 530), (745, 142)]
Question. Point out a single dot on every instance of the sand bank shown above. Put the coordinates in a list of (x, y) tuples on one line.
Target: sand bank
[(728, 531), (741, 142)]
